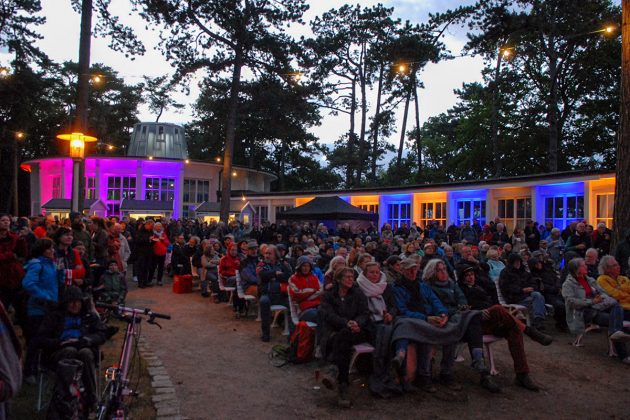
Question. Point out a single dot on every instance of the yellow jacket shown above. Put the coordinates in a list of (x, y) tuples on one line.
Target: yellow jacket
[(618, 289)]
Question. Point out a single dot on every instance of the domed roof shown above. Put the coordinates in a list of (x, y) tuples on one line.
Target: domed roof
[(160, 140)]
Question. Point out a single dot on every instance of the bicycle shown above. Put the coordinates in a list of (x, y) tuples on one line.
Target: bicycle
[(112, 403)]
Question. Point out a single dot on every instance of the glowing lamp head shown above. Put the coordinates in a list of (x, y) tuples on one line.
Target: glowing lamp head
[(402, 68), (218, 159), (110, 147), (4, 71), (609, 29), (96, 79), (187, 161), (233, 173), (77, 143), (150, 157), (19, 135)]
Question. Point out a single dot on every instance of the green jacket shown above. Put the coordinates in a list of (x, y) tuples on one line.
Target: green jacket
[(112, 287)]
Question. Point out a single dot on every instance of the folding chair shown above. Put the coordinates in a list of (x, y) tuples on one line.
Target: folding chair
[(357, 350), (277, 310), (225, 288), (512, 307)]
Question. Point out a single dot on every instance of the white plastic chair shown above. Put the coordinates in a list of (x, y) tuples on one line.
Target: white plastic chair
[(240, 292), (512, 307), (488, 340), (295, 313), (227, 289), (357, 350), (277, 310)]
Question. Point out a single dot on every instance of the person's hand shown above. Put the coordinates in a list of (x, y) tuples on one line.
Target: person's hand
[(485, 314), (434, 320), (598, 299), (528, 290), (354, 327), (387, 317)]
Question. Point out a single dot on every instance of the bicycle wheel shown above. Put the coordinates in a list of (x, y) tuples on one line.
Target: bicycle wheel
[(107, 398)]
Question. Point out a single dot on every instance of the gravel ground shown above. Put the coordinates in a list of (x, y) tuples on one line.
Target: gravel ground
[(221, 370)]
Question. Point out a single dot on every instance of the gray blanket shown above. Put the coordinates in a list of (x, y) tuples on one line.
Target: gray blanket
[(422, 332)]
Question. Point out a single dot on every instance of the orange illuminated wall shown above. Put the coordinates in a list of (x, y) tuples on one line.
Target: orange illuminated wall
[(599, 193), (299, 201), (357, 200), (428, 197)]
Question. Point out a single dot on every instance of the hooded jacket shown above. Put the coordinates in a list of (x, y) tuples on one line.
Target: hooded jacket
[(512, 281), (42, 285)]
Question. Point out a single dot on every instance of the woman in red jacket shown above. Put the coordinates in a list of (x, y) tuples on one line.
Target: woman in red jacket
[(229, 264), (160, 246), (69, 259), (305, 290)]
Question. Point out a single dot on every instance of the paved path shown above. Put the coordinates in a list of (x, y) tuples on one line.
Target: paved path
[(220, 370)]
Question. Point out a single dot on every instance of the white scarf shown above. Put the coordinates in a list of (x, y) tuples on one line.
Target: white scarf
[(374, 293)]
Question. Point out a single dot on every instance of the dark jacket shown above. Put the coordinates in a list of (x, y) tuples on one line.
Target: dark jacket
[(179, 261), (143, 244), (477, 297), (93, 331), (336, 312), (248, 271), (270, 281), (451, 296), (419, 303), (513, 281)]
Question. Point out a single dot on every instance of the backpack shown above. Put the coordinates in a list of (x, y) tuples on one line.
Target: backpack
[(299, 350), (302, 343)]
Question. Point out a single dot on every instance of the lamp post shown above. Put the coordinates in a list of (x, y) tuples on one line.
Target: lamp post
[(18, 135), (77, 153)]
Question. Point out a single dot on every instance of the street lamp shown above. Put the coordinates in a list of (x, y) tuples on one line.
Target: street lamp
[(77, 153), (505, 53)]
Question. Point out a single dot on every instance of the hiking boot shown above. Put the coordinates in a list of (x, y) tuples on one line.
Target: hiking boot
[(539, 324), (480, 366), (344, 400), (488, 383), (523, 379), (449, 382), (537, 336)]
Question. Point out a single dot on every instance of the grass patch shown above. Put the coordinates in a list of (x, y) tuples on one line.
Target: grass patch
[(24, 406)]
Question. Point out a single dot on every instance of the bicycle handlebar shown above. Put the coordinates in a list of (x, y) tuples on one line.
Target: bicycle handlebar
[(132, 311)]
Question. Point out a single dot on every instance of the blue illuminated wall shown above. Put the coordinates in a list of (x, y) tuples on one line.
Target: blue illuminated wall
[(453, 197), (385, 200)]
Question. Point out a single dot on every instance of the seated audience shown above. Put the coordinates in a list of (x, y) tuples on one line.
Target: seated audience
[(304, 289)]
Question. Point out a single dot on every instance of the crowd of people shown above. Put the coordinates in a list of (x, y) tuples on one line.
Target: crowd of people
[(406, 290)]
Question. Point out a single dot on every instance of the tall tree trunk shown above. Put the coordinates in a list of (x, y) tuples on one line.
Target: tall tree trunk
[(622, 188), (230, 132), (377, 123), (283, 156), (361, 157), (418, 136), (494, 119), (552, 109), (157, 119), (351, 137), (401, 145)]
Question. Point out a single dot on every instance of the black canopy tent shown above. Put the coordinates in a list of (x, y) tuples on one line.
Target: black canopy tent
[(331, 211)]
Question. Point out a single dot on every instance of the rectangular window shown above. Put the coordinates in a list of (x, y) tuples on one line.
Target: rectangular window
[(119, 188), (470, 210), (372, 208), (514, 212), (56, 186), (90, 187), (605, 206), (159, 189), (399, 213), (261, 215), (196, 190), (563, 210), (430, 212), (280, 209)]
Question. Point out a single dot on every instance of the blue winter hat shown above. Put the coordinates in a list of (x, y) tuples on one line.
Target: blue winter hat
[(301, 261)]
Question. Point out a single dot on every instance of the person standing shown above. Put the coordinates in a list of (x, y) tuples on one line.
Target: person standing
[(160, 245), (13, 250), (10, 363), (144, 253)]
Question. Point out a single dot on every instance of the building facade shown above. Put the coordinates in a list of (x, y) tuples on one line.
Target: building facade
[(560, 198), (155, 178)]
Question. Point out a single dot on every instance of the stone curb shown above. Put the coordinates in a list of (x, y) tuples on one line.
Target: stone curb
[(164, 399)]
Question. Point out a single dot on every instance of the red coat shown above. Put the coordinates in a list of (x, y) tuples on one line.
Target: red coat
[(228, 265), (12, 247), (161, 245), (299, 286)]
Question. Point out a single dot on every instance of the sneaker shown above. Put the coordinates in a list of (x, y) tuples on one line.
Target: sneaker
[(537, 336), (619, 336), (135, 279), (523, 380), (626, 360), (344, 400), (488, 383)]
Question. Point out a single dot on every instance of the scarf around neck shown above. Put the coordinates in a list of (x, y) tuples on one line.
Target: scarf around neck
[(374, 293)]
